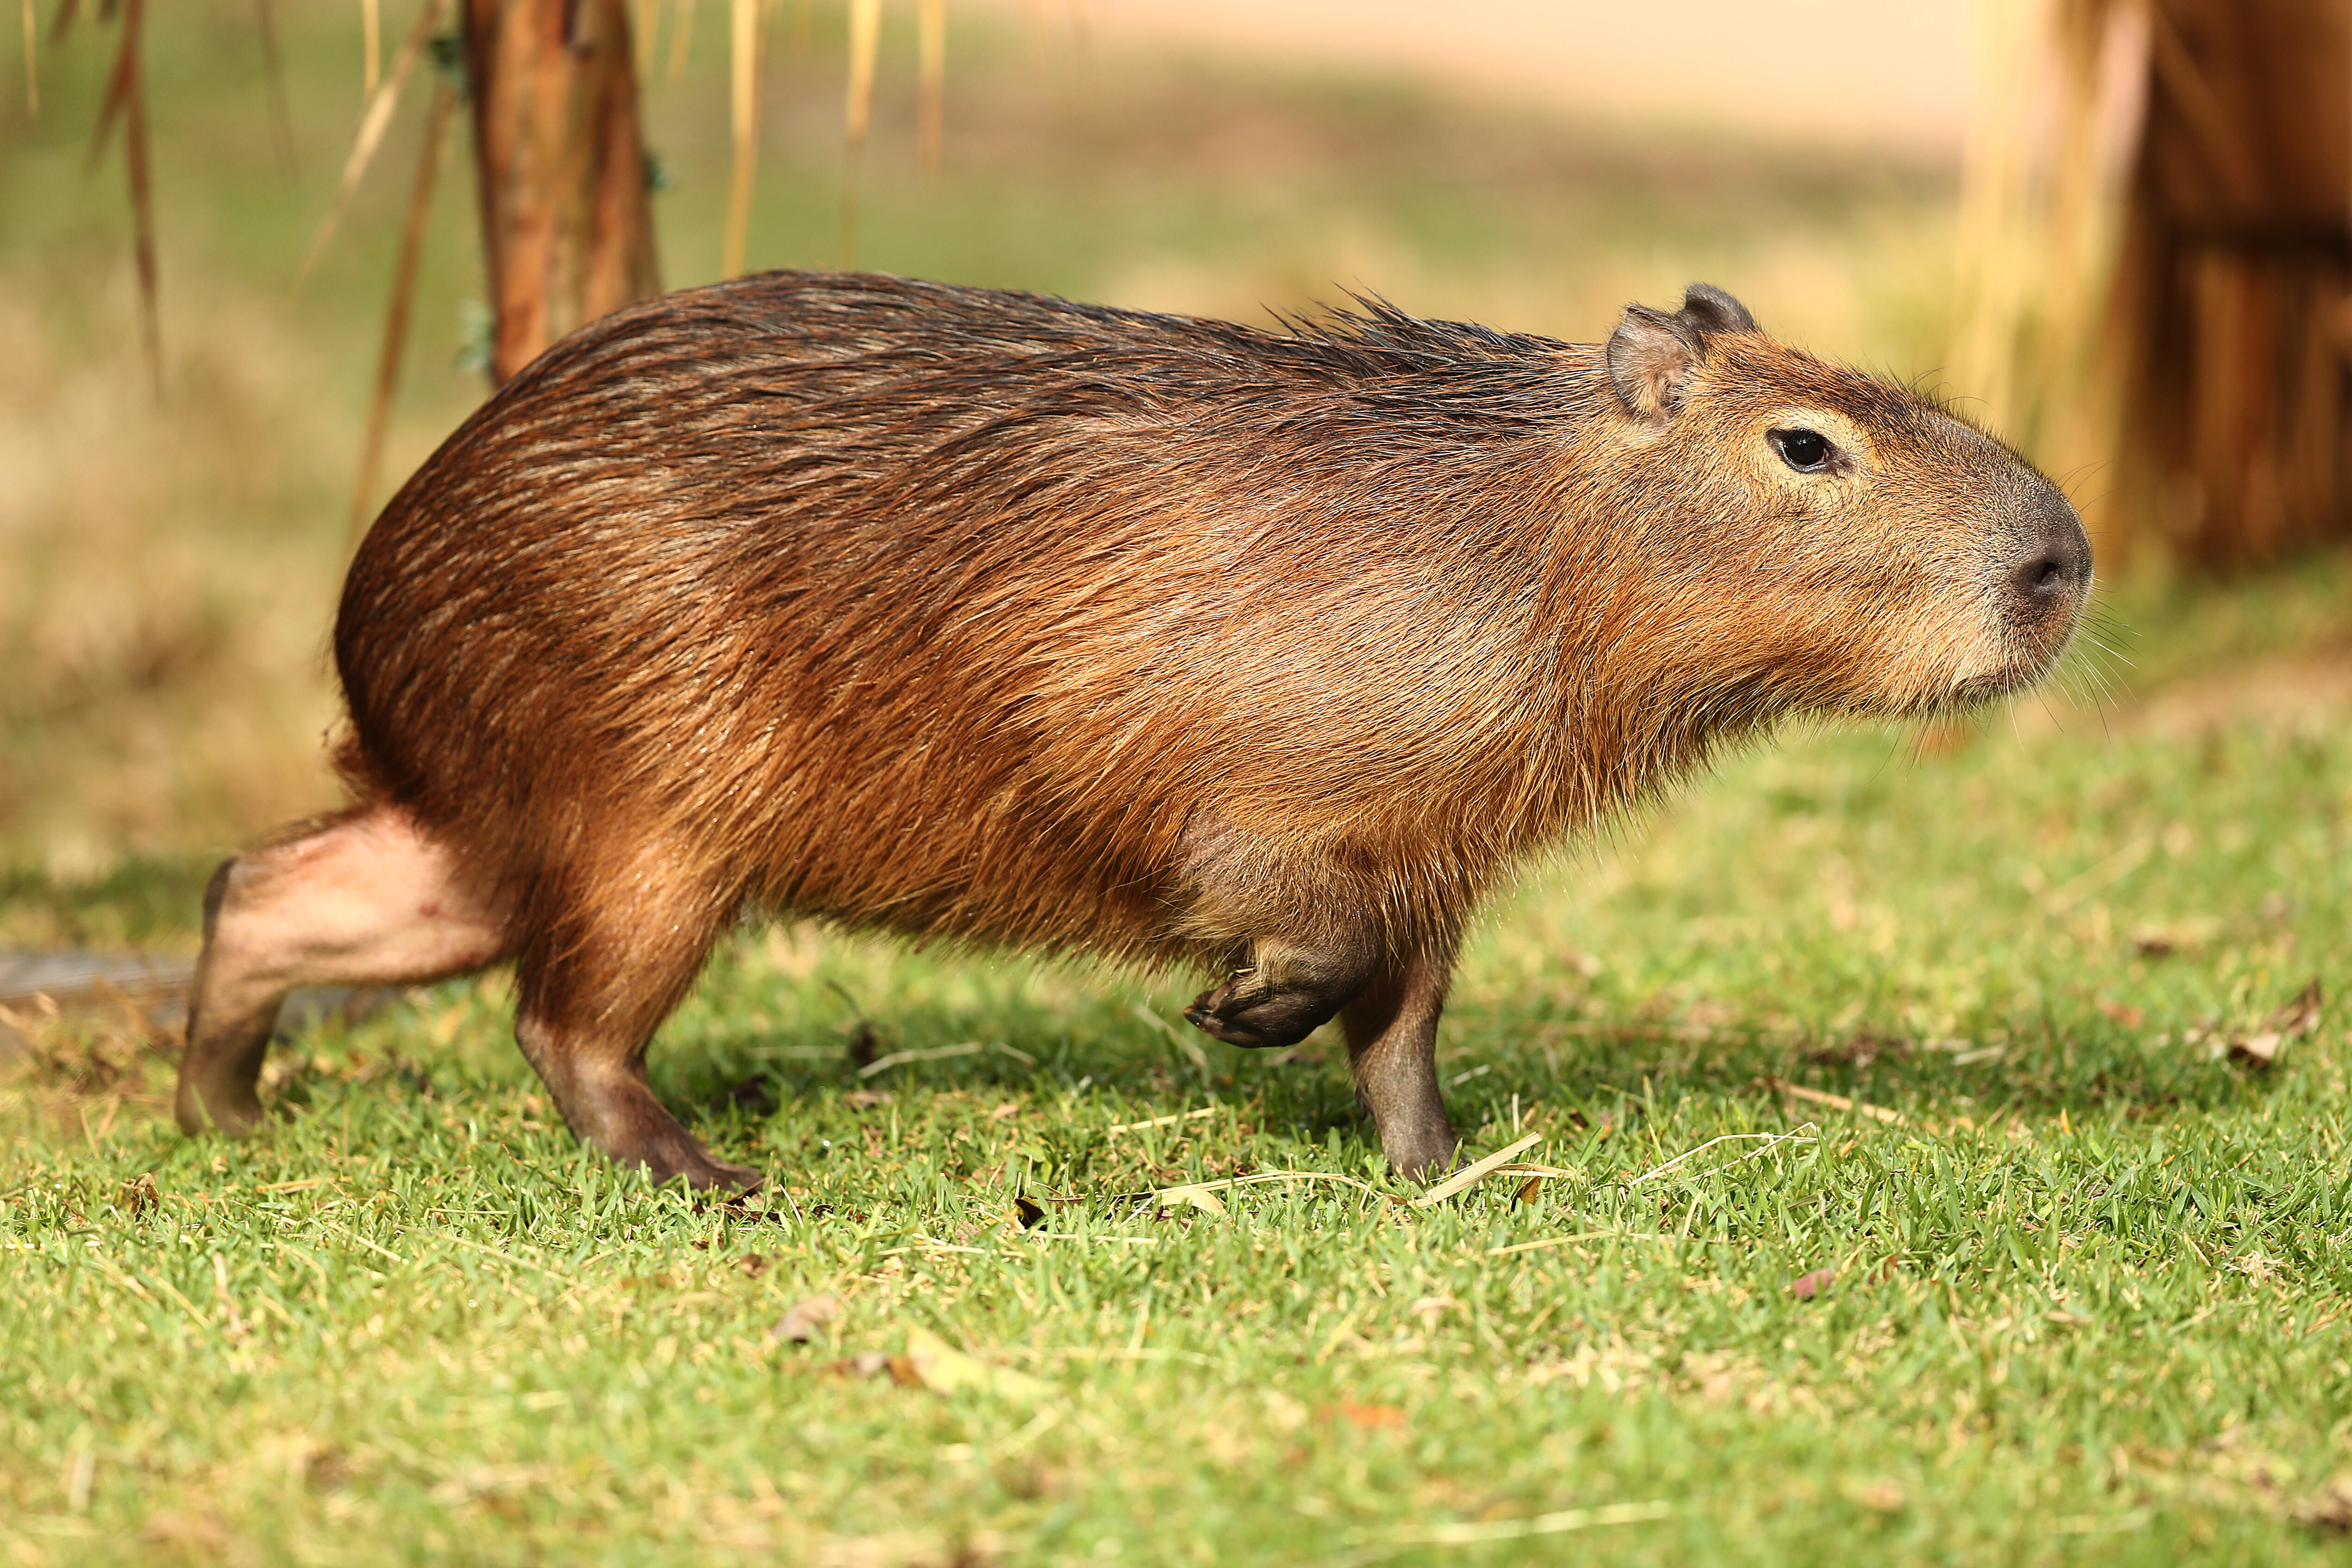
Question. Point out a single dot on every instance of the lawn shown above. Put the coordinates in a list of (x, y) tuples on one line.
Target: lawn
[(1940, 1156), (1906, 1181)]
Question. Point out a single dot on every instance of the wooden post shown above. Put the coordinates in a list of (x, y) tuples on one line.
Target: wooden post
[(560, 165)]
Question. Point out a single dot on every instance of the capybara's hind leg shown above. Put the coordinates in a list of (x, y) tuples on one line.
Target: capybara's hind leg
[(368, 899), (1392, 1033), (591, 1002)]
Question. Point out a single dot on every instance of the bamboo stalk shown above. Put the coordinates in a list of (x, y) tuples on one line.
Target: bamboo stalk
[(32, 60), (931, 56), (273, 66), (374, 122), (743, 63), (126, 103), (864, 44), (681, 30), (403, 295)]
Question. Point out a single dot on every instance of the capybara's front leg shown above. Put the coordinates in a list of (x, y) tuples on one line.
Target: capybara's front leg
[(367, 899), (1392, 1030), (1287, 992)]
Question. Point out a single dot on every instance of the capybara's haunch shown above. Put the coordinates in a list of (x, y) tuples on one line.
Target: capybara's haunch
[(994, 618)]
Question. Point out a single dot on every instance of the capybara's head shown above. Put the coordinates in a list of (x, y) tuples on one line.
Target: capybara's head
[(1826, 539)]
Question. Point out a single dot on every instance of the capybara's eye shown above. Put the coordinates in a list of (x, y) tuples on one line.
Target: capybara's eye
[(1807, 451)]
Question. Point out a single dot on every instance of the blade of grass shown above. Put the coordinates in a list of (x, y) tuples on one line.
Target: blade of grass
[(1471, 1175)]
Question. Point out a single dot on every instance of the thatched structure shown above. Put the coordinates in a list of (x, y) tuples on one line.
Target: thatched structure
[(2167, 311)]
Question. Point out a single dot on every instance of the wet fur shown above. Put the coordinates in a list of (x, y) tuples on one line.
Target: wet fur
[(987, 617)]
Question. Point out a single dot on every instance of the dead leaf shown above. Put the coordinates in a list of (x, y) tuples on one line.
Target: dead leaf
[(1370, 1417), (1528, 1190), (865, 1363), (1861, 1050), (138, 1195), (1029, 1212), (1835, 1101), (2256, 1050), (1010, 1108), (753, 1265), (2297, 1019), (1200, 1199), (1884, 1494), (2300, 1016), (802, 1320), (2330, 1508), (2128, 1017), (938, 1365), (1805, 1287), (867, 1099)]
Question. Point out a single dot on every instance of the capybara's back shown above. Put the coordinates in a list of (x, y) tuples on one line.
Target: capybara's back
[(994, 618)]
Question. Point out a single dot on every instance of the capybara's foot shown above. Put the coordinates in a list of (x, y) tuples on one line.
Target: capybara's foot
[(1426, 1149), (217, 1098), (614, 1109), (1246, 1011), (727, 1181), (1287, 991)]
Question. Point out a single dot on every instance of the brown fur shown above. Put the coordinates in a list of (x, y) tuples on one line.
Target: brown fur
[(981, 617)]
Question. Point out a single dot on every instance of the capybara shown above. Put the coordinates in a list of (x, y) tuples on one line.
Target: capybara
[(993, 618)]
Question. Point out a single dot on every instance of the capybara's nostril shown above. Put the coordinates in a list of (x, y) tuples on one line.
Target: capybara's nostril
[(2042, 576), (2057, 565)]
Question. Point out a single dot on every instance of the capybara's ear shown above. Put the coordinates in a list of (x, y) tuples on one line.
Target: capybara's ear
[(1711, 311), (1650, 359)]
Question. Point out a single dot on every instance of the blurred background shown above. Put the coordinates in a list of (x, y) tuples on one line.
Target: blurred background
[(249, 279)]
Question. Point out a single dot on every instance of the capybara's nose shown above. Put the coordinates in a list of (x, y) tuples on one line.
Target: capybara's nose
[(2056, 567)]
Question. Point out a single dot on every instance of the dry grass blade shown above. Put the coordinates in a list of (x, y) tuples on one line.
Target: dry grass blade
[(1471, 1175), (403, 295), (681, 30), (929, 1054), (32, 61), (1835, 1101), (744, 97), (864, 44), (126, 101), (1117, 1127), (273, 68), (371, 47), (1190, 1191), (1803, 1133), (1542, 1242), (1556, 1523), (374, 122)]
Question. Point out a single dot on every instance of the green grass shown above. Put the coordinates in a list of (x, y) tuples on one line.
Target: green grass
[(2091, 1289)]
